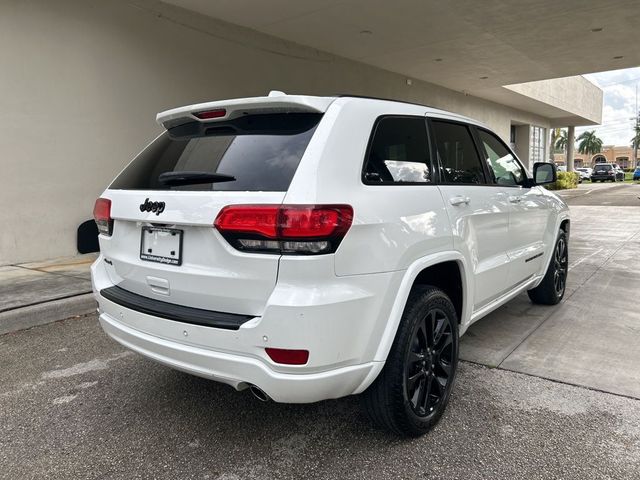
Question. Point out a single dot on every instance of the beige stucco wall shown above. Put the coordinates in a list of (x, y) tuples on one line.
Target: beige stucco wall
[(621, 155), (574, 95), (81, 82)]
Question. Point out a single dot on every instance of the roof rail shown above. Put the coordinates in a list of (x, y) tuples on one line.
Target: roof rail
[(341, 95)]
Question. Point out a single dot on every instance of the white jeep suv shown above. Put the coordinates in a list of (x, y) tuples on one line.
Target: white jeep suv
[(311, 248)]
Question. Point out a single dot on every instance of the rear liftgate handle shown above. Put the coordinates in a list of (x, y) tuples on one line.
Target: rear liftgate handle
[(459, 200)]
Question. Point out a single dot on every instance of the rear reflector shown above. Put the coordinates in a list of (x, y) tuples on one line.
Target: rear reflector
[(209, 114), (288, 357), (290, 229), (102, 216)]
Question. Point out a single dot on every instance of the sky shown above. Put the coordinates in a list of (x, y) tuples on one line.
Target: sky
[(619, 87)]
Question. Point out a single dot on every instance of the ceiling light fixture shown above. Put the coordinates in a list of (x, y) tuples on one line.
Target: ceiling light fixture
[(438, 60), (618, 57), (598, 29), (483, 78), (365, 32)]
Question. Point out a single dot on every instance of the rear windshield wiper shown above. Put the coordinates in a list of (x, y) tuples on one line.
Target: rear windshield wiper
[(174, 179)]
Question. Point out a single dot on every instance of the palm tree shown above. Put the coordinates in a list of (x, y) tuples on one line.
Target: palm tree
[(635, 144), (589, 143), (635, 141), (560, 140)]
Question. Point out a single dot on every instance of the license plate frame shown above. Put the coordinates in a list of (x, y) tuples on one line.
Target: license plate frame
[(162, 241)]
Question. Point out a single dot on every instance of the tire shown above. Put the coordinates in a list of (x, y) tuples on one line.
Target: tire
[(554, 284), (412, 391)]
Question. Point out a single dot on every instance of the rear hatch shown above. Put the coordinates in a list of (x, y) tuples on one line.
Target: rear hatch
[(602, 169), (163, 205)]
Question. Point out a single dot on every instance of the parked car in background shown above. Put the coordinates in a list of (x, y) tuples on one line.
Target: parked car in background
[(607, 172), (585, 172), (310, 248), (619, 172), (636, 173)]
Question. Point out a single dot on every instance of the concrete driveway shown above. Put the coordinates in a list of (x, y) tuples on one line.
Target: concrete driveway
[(74, 404), (593, 337)]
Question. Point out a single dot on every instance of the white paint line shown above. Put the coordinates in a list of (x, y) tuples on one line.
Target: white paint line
[(64, 399), (85, 385), (80, 368), (578, 262)]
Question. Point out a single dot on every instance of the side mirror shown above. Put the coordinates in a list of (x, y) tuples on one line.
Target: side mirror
[(544, 173)]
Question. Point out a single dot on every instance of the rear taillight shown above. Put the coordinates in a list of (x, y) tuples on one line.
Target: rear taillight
[(102, 216), (285, 229)]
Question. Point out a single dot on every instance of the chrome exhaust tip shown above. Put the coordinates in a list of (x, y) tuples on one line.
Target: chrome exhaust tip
[(259, 393)]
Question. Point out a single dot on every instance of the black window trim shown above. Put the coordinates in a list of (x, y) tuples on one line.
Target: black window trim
[(527, 183), (374, 128), (434, 153)]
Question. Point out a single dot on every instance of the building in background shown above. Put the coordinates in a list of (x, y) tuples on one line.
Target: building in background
[(623, 156), (82, 80)]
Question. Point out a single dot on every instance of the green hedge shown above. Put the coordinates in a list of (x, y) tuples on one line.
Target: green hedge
[(566, 180)]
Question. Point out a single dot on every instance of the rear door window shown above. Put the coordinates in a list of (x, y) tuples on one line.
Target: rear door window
[(457, 154), (262, 153)]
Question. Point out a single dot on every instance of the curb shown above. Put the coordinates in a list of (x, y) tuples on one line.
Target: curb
[(48, 312)]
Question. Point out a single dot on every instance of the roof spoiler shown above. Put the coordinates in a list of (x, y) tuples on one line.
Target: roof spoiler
[(276, 102)]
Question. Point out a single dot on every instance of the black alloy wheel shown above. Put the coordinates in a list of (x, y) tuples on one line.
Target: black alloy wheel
[(552, 287), (411, 393), (560, 266), (429, 363)]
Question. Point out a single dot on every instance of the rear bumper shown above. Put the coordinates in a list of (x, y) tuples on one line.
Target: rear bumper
[(338, 320), (237, 370)]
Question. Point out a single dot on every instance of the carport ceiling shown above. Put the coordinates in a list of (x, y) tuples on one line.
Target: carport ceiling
[(452, 43)]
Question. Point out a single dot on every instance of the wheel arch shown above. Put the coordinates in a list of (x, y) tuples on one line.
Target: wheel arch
[(436, 270)]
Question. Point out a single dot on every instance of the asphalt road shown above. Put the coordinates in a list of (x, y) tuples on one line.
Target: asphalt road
[(603, 194), (74, 404)]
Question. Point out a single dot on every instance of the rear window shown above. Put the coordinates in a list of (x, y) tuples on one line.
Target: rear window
[(262, 153), (602, 168)]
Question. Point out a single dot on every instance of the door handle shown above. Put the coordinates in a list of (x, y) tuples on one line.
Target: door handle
[(459, 200), (515, 199)]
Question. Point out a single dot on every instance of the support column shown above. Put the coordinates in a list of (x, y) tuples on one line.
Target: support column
[(571, 141)]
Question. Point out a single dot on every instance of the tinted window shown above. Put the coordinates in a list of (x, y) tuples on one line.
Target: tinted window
[(602, 168), (505, 168), (262, 152), (399, 152), (459, 160)]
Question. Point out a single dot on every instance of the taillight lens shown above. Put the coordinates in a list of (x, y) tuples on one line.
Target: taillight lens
[(102, 216), (288, 357), (288, 229)]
